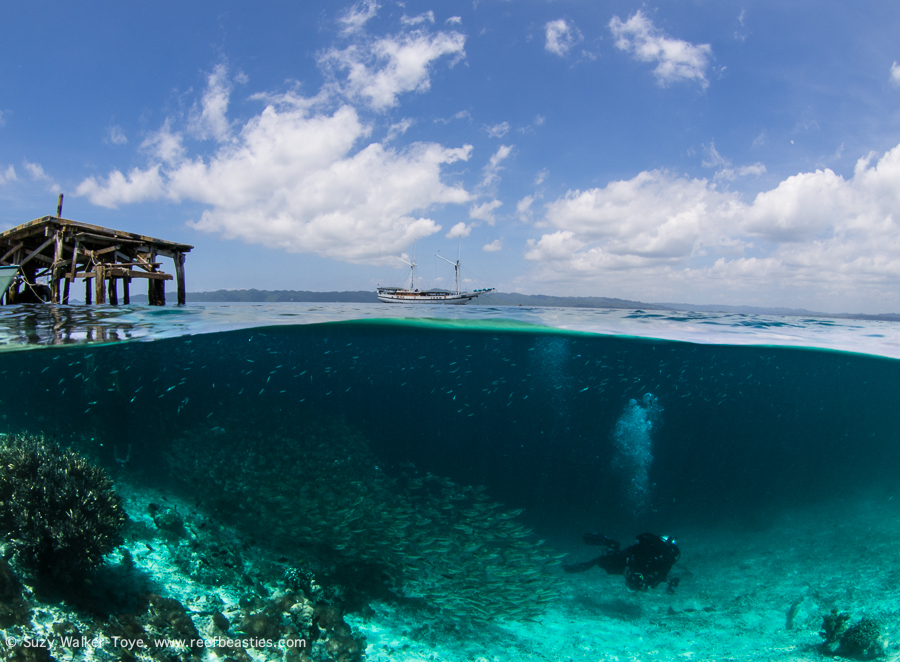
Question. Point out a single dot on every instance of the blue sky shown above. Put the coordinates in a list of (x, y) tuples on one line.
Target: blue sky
[(704, 152)]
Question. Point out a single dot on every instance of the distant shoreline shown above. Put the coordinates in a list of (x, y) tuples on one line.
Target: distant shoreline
[(510, 299)]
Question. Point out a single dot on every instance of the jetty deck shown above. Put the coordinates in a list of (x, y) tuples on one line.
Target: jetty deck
[(64, 250)]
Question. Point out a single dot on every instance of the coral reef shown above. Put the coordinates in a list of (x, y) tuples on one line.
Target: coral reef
[(863, 640), (156, 619), (833, 626), (315, 489), (58, 513)]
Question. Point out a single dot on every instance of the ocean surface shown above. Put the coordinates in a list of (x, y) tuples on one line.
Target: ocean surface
[(436, 464)]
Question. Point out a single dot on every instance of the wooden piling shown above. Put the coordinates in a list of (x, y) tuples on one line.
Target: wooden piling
[(113, 294), (99, 293), (179, 276)]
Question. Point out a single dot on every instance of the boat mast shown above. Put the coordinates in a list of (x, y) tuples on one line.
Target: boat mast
[(412, 268), (455, 264)]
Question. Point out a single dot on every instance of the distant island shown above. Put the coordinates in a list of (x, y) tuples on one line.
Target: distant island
[(508, 299)]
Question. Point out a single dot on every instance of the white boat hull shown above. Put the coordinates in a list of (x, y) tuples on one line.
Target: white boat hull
[(7, 274), (407, 297)]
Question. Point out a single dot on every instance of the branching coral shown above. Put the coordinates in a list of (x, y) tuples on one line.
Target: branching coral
[(862, 640), (317, 486), (58, 512)]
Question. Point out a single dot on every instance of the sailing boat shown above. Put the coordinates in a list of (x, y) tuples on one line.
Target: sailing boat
[(414, 295)]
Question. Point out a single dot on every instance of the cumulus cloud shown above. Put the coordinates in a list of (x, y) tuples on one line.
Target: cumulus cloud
[(459, 230), (656, 234), (895, 74), (676, 59), (561, 36), (165, 145), (208, 119), (297, 179), (493, 247), (304, 174), (485, 211), (379, 72)]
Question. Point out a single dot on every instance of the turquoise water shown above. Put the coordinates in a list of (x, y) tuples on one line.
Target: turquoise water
[(525, 409), (285, 420)]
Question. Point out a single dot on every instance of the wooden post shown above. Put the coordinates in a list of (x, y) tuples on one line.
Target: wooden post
[(87, 291), (161, 292), (55, 268), (113, 293), (151, 284), (98, 283), (59, 206), (179, 276), (126, 290)]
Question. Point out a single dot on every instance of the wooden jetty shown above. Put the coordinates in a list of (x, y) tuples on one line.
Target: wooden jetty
[(64, 250)]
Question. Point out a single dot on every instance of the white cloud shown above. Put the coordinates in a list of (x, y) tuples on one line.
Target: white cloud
[(454, 20), (724, 169), (36, 171), (498, 130), (895, 73), (115, 136), (485, 211), (427, 17), (2, 121), (164, 145), (676, 60), (398, 129), (656, 236), (208, 119), (493, 247), (354, 19), (383, 70), (493, 167), (8, 175), (523, 208), (459, 230), (118, 189), (297, 180), (561, 36)]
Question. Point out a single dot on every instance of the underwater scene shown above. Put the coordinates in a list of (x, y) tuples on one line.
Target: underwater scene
[(365, 482)]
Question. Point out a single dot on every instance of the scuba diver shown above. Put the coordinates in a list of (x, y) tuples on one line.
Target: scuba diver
[(645, 564)]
